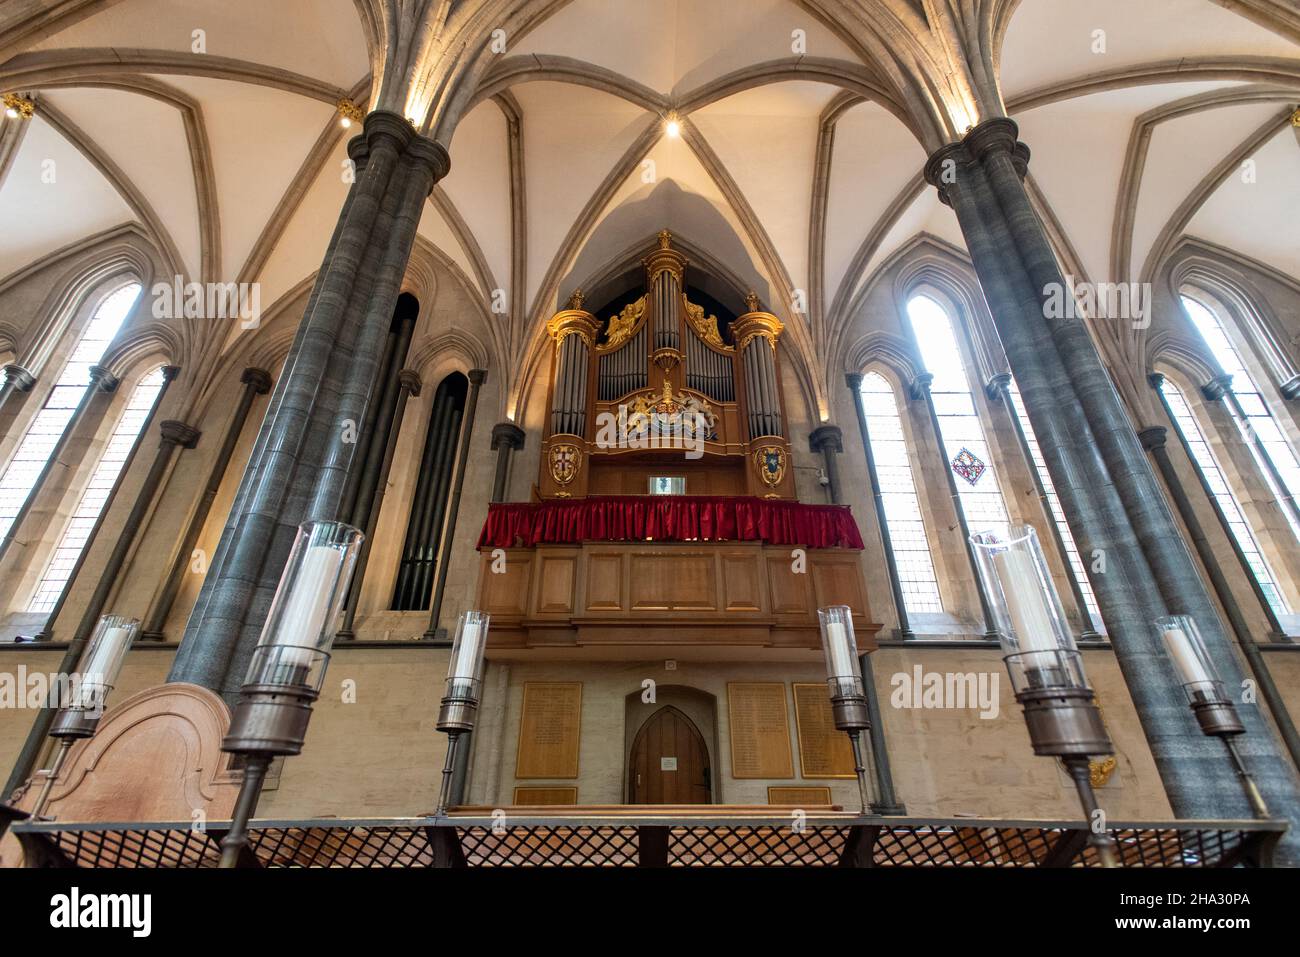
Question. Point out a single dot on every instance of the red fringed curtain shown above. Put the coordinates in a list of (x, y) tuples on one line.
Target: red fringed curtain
[(668, 518)]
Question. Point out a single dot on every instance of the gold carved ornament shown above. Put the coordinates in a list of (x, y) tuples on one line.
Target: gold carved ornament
[(622, 325), (706, 329)]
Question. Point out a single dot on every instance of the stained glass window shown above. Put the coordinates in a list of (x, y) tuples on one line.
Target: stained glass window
[(92, 502), (898, 492), (1251, 412), (37, 444), (1240, 529)]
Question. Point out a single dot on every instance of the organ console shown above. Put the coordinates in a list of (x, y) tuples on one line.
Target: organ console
[(657, 389)]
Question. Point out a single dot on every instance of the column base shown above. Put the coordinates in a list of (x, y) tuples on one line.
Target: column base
[(152, 636), (889, 810), (436, 634), (346, 634)]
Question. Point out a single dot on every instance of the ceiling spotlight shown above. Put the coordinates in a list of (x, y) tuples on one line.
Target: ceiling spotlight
[(673, 126), (16, 106), (348, 112)]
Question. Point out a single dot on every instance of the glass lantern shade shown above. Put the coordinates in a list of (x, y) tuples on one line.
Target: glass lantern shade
[(295, 644), (840, 645), (1186, 649), (465, 670), (101, 662), (1038, 646)]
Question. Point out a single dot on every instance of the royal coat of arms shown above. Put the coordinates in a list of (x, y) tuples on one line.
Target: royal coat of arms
[(770, 460), (565, 459)]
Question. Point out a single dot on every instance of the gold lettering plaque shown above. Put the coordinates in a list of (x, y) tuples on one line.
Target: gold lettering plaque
[(824, 751), (799, 797), (760, 730), (550, 726)]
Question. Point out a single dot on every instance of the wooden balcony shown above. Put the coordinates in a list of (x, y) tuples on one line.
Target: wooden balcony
[(670, 593)]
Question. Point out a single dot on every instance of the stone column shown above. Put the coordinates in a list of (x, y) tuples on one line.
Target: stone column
[(476, 379), (854, 382), (920, 389), (1153, 440), (101, 380), (1000, 387), (1220, 388), (17, 379), (47, 632), (307, 447), (256, 382), (506, 438), (829, 441), (409, 383), (1111, 499)]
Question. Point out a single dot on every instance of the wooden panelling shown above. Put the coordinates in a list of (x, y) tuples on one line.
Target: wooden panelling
[(604, 581), (674, 580), (652, 593), (743, 587), (557, 573)]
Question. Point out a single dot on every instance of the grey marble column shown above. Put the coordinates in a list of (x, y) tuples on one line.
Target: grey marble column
[(1110, 496), (476, 379), (829, 441), (307, 447), (506, 439), (256, 382), (101, 380)]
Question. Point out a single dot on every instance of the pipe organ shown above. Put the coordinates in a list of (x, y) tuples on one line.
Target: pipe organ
[(656, 391)]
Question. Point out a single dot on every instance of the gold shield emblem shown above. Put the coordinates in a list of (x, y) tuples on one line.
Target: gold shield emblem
[(770, 460), (565, 459)]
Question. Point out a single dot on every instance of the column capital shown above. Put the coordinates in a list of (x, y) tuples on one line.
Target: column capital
[(1000, 384), (1218, 387), (100, 376), (170, 372), (995, 135), (826, 438), (1153, 437), (477, 376), (920, 386), (1156, 380), (259, 379), (1290, 389), (410, 380), (853, 380), (178, 433), (20, 377), (507, 434)]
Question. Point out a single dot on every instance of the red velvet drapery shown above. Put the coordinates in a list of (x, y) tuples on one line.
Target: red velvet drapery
[(668, 518)]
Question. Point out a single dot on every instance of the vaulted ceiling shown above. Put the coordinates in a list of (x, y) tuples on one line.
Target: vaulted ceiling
[(790, 169)]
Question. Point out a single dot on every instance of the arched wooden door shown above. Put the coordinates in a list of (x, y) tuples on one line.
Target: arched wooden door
[(669, 763)]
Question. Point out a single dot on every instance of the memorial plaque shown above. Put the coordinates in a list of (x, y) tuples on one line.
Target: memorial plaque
[(824, 751), (760, 730), (549, 729), (546, 796), (799, 797)]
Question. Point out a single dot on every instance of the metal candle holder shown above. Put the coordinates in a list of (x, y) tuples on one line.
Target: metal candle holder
[(1045, 667), (1214, 710), (844, 679), (288, 666), (97, 672), (464, 687)]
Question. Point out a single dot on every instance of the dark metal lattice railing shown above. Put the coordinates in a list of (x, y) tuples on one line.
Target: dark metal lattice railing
[(639, 837)]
